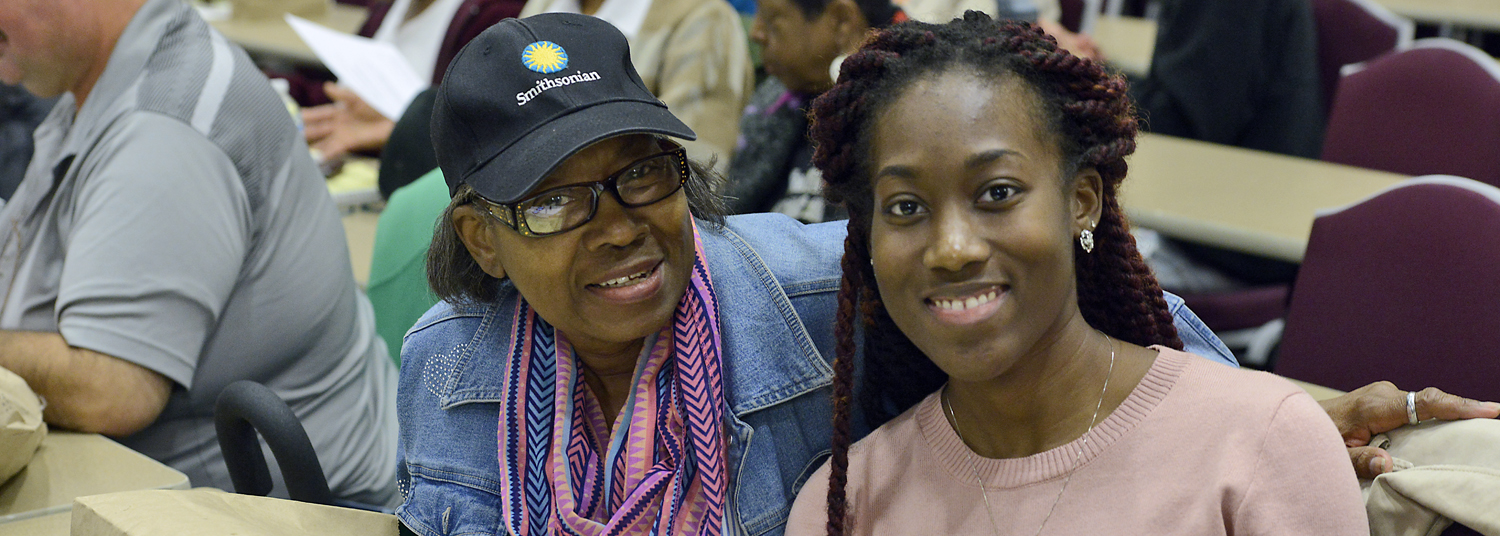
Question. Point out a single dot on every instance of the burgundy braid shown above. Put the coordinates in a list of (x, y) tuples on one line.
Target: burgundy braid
[(1092, 117), (843, 388)]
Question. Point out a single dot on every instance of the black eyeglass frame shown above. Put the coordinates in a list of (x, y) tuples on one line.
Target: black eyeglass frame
[(510, 216)]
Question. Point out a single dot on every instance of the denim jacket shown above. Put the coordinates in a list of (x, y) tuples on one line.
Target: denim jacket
[(777, 282)]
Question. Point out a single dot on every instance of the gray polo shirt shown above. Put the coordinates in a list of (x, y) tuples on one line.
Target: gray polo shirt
[(177, 222)]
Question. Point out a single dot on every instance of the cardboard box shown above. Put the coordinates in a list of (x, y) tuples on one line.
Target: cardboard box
[(210, 512)]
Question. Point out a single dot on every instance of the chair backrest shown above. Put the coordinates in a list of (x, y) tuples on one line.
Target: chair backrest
[(1403, 287), (1080, 16), (1431, 109), (1354, 31), (245, 408)]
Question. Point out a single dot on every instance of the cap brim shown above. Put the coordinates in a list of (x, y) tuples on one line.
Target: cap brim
[(517, 169)]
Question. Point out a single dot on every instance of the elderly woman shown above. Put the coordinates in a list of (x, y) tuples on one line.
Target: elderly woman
[(611, 355)]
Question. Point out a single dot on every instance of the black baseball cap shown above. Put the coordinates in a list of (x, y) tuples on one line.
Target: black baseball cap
[(527, 93)]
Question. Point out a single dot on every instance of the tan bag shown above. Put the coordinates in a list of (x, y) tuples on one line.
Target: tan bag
[(1444, 472), (210, 512), (21, 426)]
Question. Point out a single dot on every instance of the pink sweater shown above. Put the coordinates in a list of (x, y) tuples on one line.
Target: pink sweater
[(1198, 448)]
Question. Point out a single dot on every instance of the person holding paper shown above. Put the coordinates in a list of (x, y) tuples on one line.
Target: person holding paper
[(171, 236), (428, 33)]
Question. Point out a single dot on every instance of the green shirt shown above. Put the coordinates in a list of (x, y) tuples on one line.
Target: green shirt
[(398, 266)]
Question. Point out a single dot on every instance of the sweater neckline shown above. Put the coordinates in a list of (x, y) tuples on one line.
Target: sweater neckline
[(961, 462)]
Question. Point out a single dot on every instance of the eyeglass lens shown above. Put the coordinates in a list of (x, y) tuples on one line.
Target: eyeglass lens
[(646, 182)]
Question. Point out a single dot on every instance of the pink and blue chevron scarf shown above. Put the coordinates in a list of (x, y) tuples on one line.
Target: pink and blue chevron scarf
[(663, 470)]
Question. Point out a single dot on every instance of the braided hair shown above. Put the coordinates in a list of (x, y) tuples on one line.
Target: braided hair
[(1084, 109)]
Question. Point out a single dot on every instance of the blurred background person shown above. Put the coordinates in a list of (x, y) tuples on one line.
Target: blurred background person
[(427, 32), (20, 113), (692, 54), (1236, 72), (802, 43)]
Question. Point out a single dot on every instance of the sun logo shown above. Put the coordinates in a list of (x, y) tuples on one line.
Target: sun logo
[(544, 57)]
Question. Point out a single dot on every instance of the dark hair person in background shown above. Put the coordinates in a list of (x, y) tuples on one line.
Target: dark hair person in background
[(802, 42), (991, 260)]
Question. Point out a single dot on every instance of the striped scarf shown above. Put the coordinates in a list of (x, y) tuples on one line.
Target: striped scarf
[(663, 470)]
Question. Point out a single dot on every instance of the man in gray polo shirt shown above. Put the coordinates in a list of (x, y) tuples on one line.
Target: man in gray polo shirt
[(171, 236)]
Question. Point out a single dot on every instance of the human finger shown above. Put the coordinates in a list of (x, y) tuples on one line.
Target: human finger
[(1370, 462), (332, 147), (317, 114), (1433, 403), (342, 94), (316, 132)]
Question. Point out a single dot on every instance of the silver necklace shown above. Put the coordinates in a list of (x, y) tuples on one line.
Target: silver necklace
[(974, 467)]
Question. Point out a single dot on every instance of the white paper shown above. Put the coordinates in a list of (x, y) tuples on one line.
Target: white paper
[(374, 70)]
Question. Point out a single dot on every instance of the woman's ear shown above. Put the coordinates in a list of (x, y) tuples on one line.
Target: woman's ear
[(1088, 198), (473, 229)]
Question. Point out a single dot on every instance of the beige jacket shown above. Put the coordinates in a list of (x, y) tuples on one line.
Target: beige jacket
[(693, 54), (1444, 472)]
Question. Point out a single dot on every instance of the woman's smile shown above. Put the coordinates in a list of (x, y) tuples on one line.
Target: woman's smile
[(966, 307), (637, 285)]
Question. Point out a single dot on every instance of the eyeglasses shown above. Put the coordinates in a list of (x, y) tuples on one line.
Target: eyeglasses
[(562, 209)]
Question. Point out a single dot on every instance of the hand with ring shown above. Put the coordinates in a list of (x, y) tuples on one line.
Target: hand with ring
[(1380, 407)]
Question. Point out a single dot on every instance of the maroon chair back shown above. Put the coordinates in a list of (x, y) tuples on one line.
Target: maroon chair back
[(1353, 31), (1241, 309), (1072, 14), (1401, 287), (1430, 109)]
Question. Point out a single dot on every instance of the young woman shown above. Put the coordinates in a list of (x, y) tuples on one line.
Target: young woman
[(990, 261)]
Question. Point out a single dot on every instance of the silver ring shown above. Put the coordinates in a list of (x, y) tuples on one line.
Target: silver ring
[(1411, 407)]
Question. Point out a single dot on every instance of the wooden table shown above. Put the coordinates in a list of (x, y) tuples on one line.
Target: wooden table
[(356, 192), (274, 37), (69, 465), (1127, 42), (59, 524), (359, 229), (1250, 201), (1479, 14)]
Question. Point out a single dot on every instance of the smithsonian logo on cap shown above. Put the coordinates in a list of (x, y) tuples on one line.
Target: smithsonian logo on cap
[(544, 57)]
